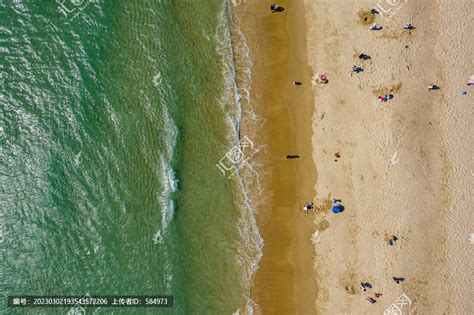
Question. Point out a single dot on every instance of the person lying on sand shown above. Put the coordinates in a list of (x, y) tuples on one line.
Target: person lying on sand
[(364, 57), (471, 80), (308, 207), (365, 285), (375, 27), (433, 87), (292, 156), (357, 69), (392, 240), (297, 83)]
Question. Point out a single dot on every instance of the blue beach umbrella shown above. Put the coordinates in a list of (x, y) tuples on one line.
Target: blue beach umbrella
[(337, 208)]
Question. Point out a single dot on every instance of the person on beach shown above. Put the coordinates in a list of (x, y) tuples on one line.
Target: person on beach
[(292, 156), (365, 285), (408, 26), (364, 57), (276, 8), (392, 240), (371, 300), (375, 27), (433, 87), (319, 78), (308, 207), (374, 11), (377, 295), (471, 80), (385, 98), (398, 280), (297, 83), (336, 200), (357, 69)]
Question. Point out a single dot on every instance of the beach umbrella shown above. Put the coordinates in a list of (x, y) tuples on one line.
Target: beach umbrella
[(337, 208)]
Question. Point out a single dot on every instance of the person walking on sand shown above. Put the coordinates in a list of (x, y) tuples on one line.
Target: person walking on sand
[(297, 83)]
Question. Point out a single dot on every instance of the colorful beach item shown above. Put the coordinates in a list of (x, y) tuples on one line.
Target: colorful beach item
[(338, 208)]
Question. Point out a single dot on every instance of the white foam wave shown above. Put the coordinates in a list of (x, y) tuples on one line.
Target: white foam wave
[(237, 72), (168, 185)]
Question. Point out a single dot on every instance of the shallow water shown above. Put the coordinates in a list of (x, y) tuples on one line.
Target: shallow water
[(113, 117)]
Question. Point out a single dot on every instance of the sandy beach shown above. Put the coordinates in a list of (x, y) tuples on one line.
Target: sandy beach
[(402, 167), (406, 164)]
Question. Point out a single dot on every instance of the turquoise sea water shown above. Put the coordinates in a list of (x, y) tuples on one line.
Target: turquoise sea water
[(113, 117)]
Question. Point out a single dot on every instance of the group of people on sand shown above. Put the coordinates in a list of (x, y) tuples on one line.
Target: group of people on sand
[(367, 286)]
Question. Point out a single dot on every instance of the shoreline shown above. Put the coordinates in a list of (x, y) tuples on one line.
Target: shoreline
[(284, 281)]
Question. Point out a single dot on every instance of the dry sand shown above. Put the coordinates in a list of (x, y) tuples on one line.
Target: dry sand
[(405, 166)]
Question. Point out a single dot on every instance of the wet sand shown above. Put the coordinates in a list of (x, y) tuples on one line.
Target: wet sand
[(284, 282)]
